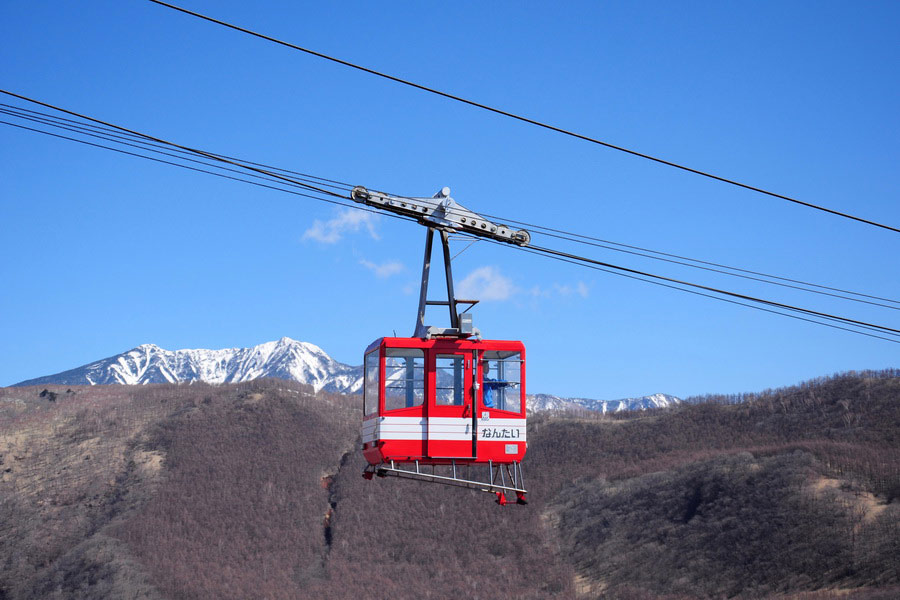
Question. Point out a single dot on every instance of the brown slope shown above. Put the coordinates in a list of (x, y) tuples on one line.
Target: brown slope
[(236, 492), (793, 490), (241, 510), (70, 468), (248, 491), (262, 499)]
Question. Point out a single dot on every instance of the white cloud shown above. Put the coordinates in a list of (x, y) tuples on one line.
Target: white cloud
[(384, 269), (566, 290), (486, 283), (347, 220), (538, 292), (560, 290)]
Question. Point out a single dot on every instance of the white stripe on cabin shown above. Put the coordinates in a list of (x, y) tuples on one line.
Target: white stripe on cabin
[(441, 428)]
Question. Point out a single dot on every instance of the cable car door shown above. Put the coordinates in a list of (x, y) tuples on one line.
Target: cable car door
[(451, 426)]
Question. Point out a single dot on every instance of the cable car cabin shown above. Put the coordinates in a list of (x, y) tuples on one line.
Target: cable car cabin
[(445, 398), (444, 401)]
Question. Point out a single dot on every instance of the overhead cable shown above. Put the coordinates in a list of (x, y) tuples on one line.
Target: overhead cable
[(329, 200), (587, 260), (155, 148), (730, 273), (696, 293), (173, 144), (334, 198), (110, 134), (112, 130), (689, 262), (530, 121), (577, 237), (190, 168)]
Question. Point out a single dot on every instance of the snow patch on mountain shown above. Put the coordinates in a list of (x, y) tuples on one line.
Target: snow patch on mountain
[(283, 359), (547, 402)]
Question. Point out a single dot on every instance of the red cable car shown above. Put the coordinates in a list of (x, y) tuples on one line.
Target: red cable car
[(444, 405)]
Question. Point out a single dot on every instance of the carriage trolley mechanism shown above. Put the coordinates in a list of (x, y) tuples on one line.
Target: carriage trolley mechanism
[(445, 406)]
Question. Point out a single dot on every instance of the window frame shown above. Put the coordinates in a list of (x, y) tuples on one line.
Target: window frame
[(376, 405), (515, 356), (458, 390), (418, 380)]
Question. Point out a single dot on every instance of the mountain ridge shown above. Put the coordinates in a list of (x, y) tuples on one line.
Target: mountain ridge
[(549, 402), (286, 358)]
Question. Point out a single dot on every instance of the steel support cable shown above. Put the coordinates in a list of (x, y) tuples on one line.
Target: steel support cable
[(525, 119), (579, 261), (329, 200), (140, 139), (696, 260), (433, 204), (575, 257), (140, 143), (111, 130), (586, 240), (536, 249), (723, 272), (711, 269), (218, 157), (144, 146), (540, 249), (173, 144), (696, 293)]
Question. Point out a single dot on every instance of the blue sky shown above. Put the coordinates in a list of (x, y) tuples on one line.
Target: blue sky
[(102, 252)]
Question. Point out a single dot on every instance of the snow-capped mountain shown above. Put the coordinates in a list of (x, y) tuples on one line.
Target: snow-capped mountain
[(284, 359), (544, 402)]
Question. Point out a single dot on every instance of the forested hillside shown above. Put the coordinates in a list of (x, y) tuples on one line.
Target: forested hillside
[(254, 491), (792, 489)]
